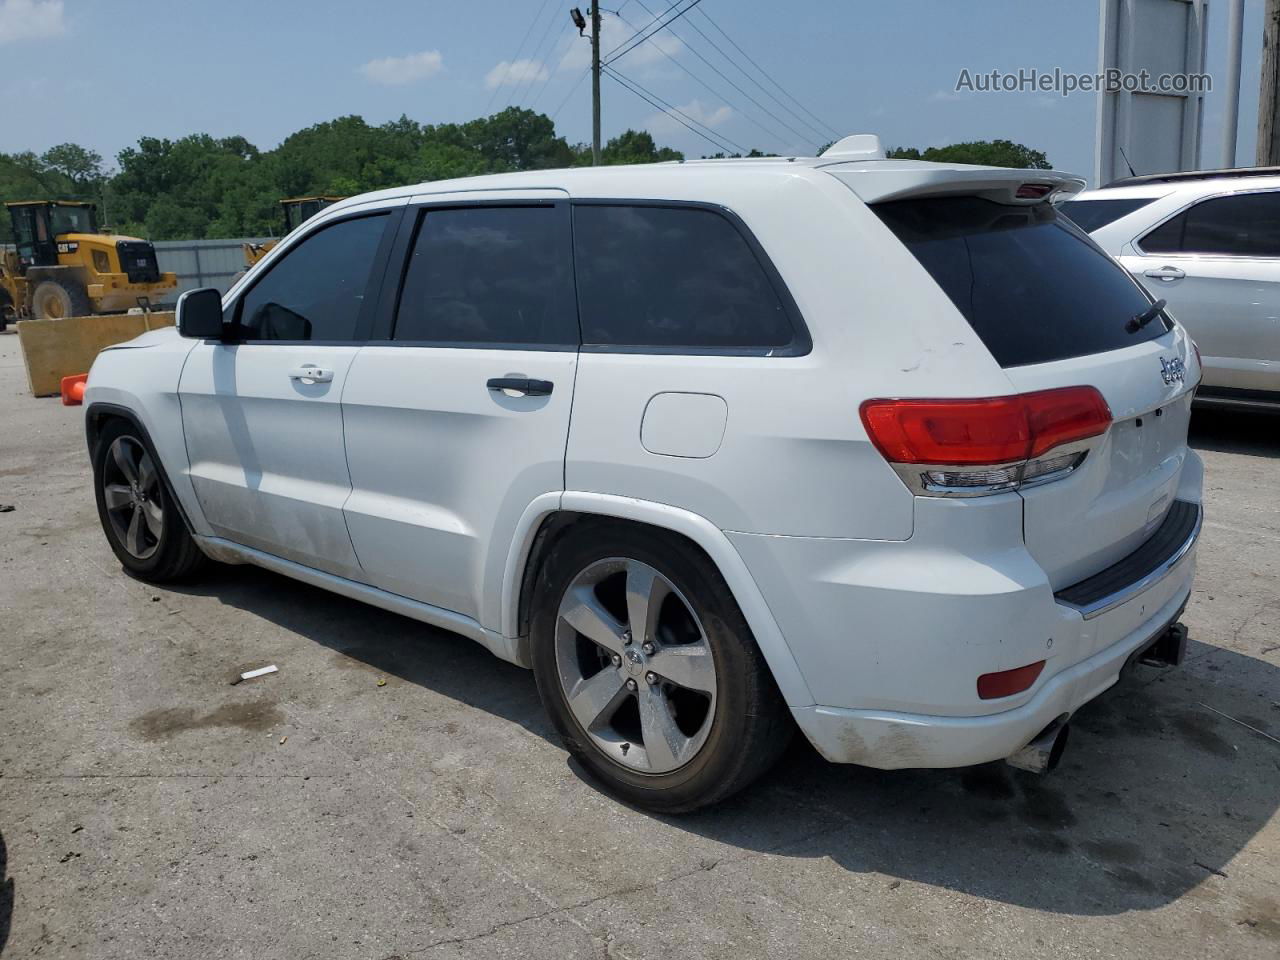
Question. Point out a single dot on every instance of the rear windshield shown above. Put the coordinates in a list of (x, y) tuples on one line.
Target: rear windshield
[(1089, 215), (1031, 284)]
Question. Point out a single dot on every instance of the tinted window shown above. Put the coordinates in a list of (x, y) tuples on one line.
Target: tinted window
[(672, 277), (489, 275), (1089, 215), (1244, 225), (316, 290), (1030, 283)]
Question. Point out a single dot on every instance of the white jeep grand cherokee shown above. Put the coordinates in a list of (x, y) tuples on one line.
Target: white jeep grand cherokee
[(885, 450)]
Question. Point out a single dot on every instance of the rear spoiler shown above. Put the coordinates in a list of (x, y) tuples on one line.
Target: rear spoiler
[(885, 180)]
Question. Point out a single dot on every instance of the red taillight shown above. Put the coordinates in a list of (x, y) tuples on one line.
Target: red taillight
[(1008, 682), (987, 430)]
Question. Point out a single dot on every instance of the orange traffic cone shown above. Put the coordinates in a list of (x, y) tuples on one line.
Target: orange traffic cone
[(73, 389)]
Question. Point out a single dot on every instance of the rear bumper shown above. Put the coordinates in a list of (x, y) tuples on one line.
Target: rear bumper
[(891, 740), (891, 637)]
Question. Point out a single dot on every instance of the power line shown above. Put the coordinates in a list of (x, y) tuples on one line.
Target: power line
[(503, 79), (772, 133), (617, 79), (717, 140), (534, 58), (721, 74), (577, 83), (642, 29), (665, 23), (823, 124)]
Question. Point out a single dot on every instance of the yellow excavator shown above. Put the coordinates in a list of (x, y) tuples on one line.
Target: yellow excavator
[(62, 266), (296, 211)]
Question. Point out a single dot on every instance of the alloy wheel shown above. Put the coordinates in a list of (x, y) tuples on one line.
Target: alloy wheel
[(133, 496), (635, 665)]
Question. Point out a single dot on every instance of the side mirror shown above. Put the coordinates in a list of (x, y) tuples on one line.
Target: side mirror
[(200, 314)]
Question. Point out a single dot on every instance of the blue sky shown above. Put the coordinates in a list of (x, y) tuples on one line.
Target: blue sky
[(105, 73)]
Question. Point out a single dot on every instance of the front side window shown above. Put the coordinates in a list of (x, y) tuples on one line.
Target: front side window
[(489, 276), (1243, 225), (317, 289), (673, 278)]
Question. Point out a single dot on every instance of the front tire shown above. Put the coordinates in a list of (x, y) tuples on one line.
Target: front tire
[(55, 300), (649, 670), (139, 515)]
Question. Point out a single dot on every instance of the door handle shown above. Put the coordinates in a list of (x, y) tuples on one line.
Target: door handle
[(1165, 273), (314, 374), (522, 385)]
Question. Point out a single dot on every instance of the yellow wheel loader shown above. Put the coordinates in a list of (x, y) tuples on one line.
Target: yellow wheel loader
[(63, 267), (297, 211)]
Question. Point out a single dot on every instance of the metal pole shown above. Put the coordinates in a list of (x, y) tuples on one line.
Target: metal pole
[(595, 83), (1231, 115)]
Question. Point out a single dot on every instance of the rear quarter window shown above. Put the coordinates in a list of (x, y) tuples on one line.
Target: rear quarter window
[(677, 279), (1090, 215), (1032, 285)]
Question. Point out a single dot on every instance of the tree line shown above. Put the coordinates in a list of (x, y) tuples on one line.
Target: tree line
[(201, 186)]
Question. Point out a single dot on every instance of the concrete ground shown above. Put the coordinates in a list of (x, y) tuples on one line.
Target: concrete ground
[(149, 809)]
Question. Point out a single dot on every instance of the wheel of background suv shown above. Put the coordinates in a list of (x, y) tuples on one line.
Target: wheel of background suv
[(52, 300), (649, 671), (138, 514)]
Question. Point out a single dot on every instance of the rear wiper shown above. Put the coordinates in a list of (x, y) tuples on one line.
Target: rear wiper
[(1146, 316)]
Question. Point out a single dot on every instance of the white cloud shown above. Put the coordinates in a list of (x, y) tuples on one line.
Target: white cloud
[(613, 34), (397, 71), (947, 96), (694, 110), (30, 19), (514, 72)]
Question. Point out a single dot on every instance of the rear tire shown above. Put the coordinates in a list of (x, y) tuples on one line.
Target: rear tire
[(136, 506), (714, 742), (56, 299)]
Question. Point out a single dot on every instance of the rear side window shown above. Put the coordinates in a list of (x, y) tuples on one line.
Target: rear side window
[(490, 276), (674, 278), (1089, 215), (1030, 283), (1243, 225)]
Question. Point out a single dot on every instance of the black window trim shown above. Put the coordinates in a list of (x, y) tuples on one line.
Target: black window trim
[(801, 342), (384, 323), (377, 271), (1137, 241)]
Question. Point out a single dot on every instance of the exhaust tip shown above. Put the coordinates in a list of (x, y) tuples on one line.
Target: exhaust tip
[(1044, 752)]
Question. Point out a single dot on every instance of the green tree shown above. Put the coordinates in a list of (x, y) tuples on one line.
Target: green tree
[(631, 146), (990, 153), (203, 186), (81, 166)]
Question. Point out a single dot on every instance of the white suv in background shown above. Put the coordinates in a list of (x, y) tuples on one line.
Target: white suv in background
[(1209, 244), (885, 450)]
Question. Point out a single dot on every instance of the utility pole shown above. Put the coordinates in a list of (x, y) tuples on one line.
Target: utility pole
[(1268, 101), (595, 82)]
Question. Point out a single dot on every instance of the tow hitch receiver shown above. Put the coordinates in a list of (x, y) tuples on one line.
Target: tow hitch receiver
[(1169, 650)]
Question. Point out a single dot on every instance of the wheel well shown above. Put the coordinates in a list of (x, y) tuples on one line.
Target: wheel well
[(95, 421), (556, 525), (99, 417)]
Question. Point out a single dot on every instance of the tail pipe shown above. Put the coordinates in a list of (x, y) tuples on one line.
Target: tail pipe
[(1043, 753)]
